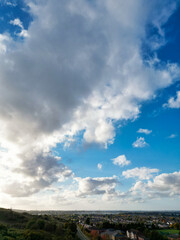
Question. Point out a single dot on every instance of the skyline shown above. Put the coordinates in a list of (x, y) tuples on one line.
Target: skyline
[(90, 105)]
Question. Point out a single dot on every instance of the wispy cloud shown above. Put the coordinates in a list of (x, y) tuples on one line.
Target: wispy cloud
[(99, 166), (10, 3), (17, 22), (145, 131), (173, 102), (141, 173), (173, 135), (4, 42)]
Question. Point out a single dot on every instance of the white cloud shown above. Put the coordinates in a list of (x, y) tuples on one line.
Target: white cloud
[(165, 185), (102, 132), (173, 102), (141, 173), (17, 22), (121, 161), (96, 186), (169, 183), (140, 143), (10, 3), (145, 131), (35, 173), (57, 83), (99, 166), (4, 41), (173, 135)]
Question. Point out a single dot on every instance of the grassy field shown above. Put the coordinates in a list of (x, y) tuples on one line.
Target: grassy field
[(169, 231)]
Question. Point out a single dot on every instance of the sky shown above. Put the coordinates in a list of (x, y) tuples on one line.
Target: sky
[(90, 104)]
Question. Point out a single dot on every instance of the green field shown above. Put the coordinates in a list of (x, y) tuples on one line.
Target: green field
[(169, 231)]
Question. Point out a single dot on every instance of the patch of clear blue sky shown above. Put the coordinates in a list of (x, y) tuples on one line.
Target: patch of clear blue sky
[(9, 12), (171, 51)]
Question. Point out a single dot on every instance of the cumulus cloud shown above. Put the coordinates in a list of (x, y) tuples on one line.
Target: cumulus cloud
[(121, 161), (141, 173), (148, 186), (166, 182), (33, 174), (140, 143), (173, 102), (96, 186), (163, 185), (17, 22), (74, 73), (145, 131)]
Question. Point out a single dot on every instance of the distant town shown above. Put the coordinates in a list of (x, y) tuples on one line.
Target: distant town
[(88, 225), (122, 224)]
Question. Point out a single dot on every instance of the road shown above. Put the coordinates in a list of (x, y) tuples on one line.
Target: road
[(81, 234)]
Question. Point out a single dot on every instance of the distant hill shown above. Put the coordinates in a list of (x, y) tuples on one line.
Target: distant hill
[(12, 218), (24, 226)]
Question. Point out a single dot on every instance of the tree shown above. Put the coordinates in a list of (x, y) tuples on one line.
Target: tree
[(59, 229), (40, 224), (155, 235), (36, 235), (50, 227), (176, 225), (31, 224), (3, 229), (87, 221)]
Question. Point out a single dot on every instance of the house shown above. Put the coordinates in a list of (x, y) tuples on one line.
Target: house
[(113, 235), (141, 237), (135, 235), (132, 234), (94, 232), (163, 226), (118, 236)]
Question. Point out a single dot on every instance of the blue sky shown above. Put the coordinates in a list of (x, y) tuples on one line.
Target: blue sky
[(90, 105)]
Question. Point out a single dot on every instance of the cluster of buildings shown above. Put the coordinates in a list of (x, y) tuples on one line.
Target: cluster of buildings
[(95, 229), (134, 234), (150, 220), (112, 234), (158, 220)]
